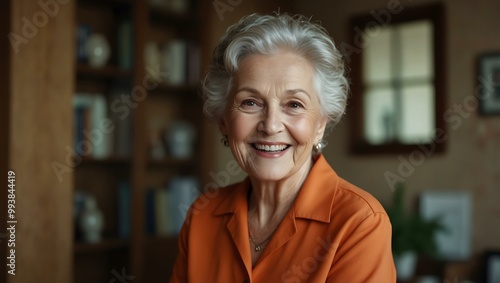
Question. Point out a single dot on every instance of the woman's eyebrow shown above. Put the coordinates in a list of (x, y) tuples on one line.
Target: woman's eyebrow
[(249, 89), (288, 92), (297, 90)]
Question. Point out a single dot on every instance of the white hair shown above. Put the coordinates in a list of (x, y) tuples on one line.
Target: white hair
[(265, 35)]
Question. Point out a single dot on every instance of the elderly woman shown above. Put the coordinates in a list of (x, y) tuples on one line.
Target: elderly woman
[(274, 85)]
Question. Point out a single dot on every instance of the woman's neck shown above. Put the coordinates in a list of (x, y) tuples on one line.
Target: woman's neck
[(270, 200)]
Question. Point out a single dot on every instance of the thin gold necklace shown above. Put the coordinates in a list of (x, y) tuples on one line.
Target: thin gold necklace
[(258, 247)]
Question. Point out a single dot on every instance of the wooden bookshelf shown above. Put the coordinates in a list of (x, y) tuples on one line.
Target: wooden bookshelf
[(100, 177), (149, 258), (168, 102)]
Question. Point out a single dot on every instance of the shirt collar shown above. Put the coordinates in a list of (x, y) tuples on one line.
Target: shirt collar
[(313, 202)]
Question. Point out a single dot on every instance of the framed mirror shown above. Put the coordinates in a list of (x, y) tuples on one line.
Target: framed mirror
[(398, 81)]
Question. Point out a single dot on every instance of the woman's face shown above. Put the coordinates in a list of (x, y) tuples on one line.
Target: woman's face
[(273, 117)]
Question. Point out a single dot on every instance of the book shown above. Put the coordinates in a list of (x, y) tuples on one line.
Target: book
[(100, 137), (124, 219), (193, 64), (79, 117), (125, 44), (121, 116), (163, 217), (175, 56), (150, 212), (183, 191), (94, 138), (83, 32), (167, 207)]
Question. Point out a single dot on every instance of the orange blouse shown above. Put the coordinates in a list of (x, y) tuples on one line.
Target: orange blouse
[(334, 232)]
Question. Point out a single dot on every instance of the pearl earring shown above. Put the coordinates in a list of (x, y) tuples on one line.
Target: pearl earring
[(224, 141), (320, 145)]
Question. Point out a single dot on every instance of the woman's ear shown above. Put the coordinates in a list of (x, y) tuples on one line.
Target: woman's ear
[(320, 131), (223, 126)]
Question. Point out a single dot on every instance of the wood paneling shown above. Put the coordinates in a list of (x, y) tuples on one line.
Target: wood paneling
[(40, 130)]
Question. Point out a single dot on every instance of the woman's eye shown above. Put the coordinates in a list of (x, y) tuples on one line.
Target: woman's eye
[(294, 105), (248, 103)]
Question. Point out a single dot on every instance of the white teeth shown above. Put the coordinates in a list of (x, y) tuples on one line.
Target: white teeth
[(270, 148)]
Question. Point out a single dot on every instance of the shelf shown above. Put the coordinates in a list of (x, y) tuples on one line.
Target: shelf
[(177, 89), (162, 16), (105, 245), (115, 161), (171, 162), (106, 72), (161, 238), (107, 3)]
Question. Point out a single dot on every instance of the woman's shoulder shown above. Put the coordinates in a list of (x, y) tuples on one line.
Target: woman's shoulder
[(351, 202), (342, 196)]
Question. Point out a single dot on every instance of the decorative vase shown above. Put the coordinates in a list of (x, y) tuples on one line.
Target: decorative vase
[(98, 50), (180, 138), (91, 221), (405, 265)]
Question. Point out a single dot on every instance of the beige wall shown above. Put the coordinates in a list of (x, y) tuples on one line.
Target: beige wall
[(472, 162)]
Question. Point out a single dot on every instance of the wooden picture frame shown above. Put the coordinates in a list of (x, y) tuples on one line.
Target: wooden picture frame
[(492, 264), (454, 210), (488, 84)]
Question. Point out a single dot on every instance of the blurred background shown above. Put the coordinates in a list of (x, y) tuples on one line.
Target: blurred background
[(104, 144)]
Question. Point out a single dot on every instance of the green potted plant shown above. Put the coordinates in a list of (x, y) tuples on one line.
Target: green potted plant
[(412, 235)]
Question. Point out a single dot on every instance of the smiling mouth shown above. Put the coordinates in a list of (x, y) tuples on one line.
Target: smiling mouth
[(270, 148)]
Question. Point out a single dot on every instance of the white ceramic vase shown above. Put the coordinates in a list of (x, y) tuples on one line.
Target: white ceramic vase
[(180, 138), (91, 221), (98, 50)]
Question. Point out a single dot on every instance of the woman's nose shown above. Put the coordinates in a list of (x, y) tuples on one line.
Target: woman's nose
[(271, 122)]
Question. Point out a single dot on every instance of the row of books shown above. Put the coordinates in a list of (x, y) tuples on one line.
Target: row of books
[(178, 58), (166, 207), (124, 209), (101, 132)]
